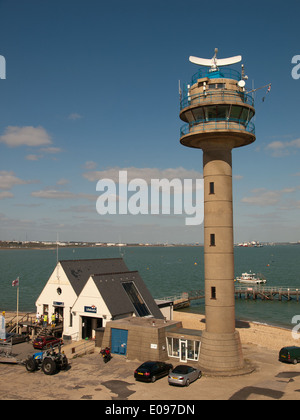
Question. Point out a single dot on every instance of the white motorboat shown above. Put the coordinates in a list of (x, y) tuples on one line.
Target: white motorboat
[(251, 278)]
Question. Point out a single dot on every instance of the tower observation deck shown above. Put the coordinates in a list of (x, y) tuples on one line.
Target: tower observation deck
[(217, 113), (214, 105)]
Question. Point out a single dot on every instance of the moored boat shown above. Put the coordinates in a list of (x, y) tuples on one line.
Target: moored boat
[(251, 278)]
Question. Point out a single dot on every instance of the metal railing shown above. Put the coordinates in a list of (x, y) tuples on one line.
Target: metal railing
[(269, 289), (217, 124), (221, 95), (182, 295), (190, 295), (223, 73)]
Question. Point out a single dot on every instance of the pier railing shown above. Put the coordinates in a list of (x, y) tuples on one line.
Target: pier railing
[(182, 300), (267, 292), (241, 291)]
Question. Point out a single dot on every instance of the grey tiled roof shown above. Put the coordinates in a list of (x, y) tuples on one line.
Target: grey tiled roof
[(79, 271)]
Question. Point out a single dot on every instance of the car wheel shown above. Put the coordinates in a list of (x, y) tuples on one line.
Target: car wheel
[(153, 379), (49, 366), (65, 363), (187, 382), (200, 375), (295, 361), (31, 365)]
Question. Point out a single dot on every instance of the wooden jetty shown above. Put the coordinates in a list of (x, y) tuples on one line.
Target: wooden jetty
[(262, 292), (280, 293), (183, 300)]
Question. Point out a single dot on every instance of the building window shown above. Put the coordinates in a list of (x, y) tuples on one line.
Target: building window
[(173, 346), (213, 293), (211, 188), (192, 349), (136, 298), (212, 239), (216, 86)]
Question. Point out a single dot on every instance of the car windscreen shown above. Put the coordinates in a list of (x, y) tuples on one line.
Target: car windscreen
[(181, 369), (147, 365)]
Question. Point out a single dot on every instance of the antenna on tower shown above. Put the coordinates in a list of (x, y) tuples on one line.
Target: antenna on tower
[(180, 91), (215, 62), (262, 87), (57, 268), (56, 247)]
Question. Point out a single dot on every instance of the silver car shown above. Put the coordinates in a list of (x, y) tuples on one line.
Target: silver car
[(183, 375)]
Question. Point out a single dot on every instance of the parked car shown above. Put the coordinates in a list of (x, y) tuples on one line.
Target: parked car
[(46, 342), (15, 338), (183, 375), (150, 371), (290, 354)]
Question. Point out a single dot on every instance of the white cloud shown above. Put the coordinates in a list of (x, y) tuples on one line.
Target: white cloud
[(32, 157), (63, 181), (53, 194), (89, 165), (283, 148), (25, 136), (143, 173), (44, 151), (62, 195), (74, 116), (263, 197), (8, 180), (5, 194)]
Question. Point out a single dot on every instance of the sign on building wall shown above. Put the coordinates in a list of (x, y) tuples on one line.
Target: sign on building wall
[(2, 327), (90, 309)]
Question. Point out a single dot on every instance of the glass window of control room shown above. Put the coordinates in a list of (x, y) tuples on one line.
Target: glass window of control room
[(174, 348)]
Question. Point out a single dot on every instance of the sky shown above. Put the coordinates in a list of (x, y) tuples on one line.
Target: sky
[(91, 89)]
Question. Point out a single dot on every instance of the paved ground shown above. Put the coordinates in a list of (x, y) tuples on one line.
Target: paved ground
[(88, 378)]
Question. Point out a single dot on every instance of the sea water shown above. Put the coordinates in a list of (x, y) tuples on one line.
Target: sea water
[(167, 271)]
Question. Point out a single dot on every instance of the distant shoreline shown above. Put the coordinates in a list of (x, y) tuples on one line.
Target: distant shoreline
[(4, 245), (54, 247)]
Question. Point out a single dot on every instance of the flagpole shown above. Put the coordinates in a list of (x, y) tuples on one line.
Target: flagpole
[(18, 309), (17, 283)]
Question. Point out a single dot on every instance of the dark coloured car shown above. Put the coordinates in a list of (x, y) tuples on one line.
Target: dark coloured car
[(150, 371), (290, 354), (15, 338), (46, 342), (183, 375)]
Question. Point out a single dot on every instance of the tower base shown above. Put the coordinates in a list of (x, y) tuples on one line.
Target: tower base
[(221, 355)]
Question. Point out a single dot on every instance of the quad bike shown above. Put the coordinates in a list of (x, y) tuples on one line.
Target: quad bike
[(49, 361), (106, 355)]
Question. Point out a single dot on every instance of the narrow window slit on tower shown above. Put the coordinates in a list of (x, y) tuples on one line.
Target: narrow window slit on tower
[(211, 188), (213, 293), (212, 239)]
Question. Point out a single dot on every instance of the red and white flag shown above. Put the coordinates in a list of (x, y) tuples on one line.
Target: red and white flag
[(15, 282), (269, 88)]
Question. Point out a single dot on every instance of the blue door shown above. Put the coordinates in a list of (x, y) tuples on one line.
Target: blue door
[(119, 341)]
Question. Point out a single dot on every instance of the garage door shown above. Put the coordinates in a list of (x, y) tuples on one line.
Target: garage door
[(119, 341)]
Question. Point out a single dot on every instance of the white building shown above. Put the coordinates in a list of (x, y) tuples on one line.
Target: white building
[(88, 293)]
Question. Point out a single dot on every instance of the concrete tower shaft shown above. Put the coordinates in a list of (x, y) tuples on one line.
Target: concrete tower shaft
[(217, 113), (218, 241)]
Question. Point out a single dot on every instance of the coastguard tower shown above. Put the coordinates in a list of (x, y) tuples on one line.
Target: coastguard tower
[(217, 113)]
